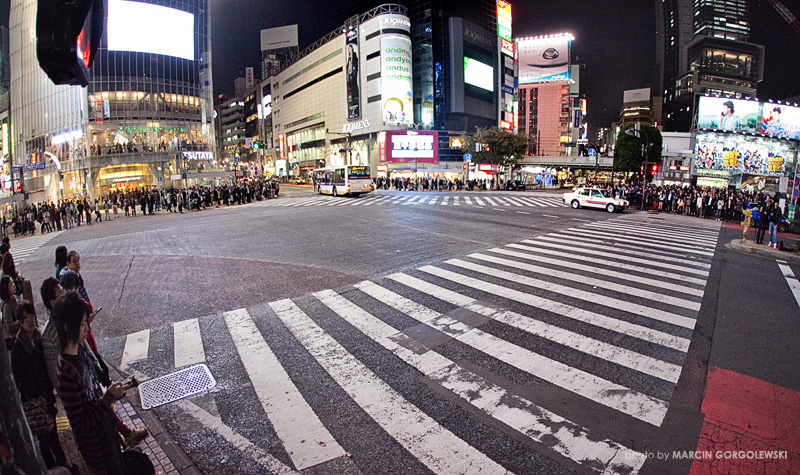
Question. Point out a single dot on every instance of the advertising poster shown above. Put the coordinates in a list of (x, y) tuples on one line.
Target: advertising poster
[(352, 76), (752, 155), (730, 115), (396, 81), (420, 147), (781, 121), (544, 59)]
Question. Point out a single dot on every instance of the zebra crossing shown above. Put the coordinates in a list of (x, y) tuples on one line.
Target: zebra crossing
[(22, 248), (375, 199), (547, 338)]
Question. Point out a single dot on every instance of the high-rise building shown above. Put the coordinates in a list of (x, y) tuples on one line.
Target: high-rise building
[(5, 65), (702, 46), (145, 115)]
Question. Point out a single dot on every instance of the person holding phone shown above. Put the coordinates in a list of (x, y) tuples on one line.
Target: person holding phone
[(87, 404)]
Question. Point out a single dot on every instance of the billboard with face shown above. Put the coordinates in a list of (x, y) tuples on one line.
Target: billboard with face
[(730, 115), (781, 121), (754, 155), (544, 59)]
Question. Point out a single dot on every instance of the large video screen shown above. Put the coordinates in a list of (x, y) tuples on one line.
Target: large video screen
[(478, 74), (147, 28), (750, 154), (420, 147), (544, 59), (730, 115), (397, 80), (781, 121)]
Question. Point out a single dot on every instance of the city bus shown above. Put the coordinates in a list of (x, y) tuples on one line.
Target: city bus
[(351, 180)]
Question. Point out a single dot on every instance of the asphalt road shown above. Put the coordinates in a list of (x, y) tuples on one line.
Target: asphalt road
[(413, 332)]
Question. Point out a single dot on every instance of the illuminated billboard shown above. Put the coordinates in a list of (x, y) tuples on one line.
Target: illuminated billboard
[(751, 154), (730, 115), (478, 74), (504, 20), (146, 28), (781, 121), (396, 80), (414, 147), (544, 58), (352, 76)]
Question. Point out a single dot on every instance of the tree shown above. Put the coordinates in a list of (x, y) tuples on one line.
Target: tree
[(496, 146), (628, 156)]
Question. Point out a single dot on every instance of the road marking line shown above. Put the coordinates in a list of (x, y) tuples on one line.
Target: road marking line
[(655, 237), (614, 303), (794, 284), (188, 344), (571, 253), (468, 201), (537, 423), (586, 280), (602, 391), (604, 272), (582, 220), (293, 419), (445, 200), (433, 445), (137, 346), (523, 212), (603, 321), (479, 201), (550, 216), (640, 242)]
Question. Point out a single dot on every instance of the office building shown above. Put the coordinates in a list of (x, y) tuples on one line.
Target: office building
[(703, 47), (145, 117)]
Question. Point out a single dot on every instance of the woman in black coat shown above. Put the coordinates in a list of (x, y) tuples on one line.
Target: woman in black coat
[(35, 388)]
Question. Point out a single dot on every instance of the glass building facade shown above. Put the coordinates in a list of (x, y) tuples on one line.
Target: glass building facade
[(135, 122)]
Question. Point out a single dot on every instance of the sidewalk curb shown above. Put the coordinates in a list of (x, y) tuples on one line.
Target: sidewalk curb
[(767, 252), (180, 459)]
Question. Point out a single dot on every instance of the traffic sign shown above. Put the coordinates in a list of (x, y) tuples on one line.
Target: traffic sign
[(467, 157), (592, 152)]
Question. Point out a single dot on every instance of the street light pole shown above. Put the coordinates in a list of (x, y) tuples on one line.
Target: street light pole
[(645, 149)]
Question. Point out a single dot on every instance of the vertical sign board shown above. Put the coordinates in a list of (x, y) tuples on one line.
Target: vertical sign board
[(249, 77), (396, 80), (352, 76), (504, 20)]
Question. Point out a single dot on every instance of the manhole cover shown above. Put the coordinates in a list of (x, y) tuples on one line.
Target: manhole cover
[(178, 385)]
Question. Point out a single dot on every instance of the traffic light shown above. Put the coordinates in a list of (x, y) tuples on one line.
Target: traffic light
[(655, 169), (256, 145), (67, 36)]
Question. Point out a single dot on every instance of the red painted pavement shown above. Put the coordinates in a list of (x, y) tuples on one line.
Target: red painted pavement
[(751, 427)]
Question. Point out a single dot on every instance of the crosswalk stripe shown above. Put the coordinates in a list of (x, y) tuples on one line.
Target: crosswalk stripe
[(188, 344), (593, 318), (293, 419), (22, 248), (516, 201), (491, 201), (630, 307), (446, 199), (794, 284), (410, 200), (644, 266), (468, 200), (479, 201), (530, 420), (695, 234), (433, 445), (433, 200), (591, 243), (696, 227), (137, 346), (641, 242), (595, 388), (605, 272), (655, 236), (621, 356), (586, 280)]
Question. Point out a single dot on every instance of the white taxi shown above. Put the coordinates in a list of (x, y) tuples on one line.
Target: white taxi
[(594, 198)]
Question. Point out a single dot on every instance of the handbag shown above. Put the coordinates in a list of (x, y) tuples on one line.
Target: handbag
[(37, 413)]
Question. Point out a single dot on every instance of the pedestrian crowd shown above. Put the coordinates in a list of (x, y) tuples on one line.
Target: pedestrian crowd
[(62, 361), (66, 214), (432, 184)]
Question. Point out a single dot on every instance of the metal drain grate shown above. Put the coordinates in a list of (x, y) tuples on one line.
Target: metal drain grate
[(178, 385)]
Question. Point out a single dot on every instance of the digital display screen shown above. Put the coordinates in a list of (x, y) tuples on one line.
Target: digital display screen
[(478, 74), (743, 153), (146, 28), (544, 59), (781, 121), (730, 115), (421, 147), (358, 171)]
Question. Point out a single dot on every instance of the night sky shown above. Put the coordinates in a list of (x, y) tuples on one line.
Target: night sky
[(617, 46)]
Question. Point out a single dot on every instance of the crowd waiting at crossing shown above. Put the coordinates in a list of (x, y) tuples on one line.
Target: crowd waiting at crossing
[(66, 214), (61, 361)]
